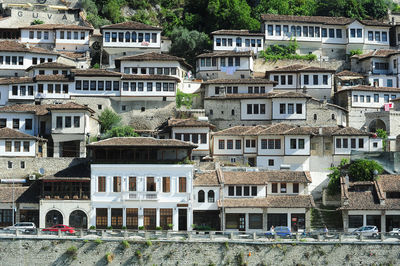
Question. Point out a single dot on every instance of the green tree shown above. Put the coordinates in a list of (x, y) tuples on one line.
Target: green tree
[(188, 44), (185, 99), (290, 7), (121, 131), (37, 22), (382, 134), (363, 170), (108, 119), (112, 10), (334, 177)]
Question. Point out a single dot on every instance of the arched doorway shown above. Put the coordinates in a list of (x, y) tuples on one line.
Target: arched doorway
[(53, 217), (376, 124), (78, 219)]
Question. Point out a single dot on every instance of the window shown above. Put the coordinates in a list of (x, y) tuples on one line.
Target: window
[(153, 37), (254, 190), (278, 30), (182, 184), (101, 184), (203, 138), (249, 109), (229, 144), (355, 98), (305, 79), (28, 124), (377, 36), (339, 33), (116, 85), (86, 85), (352, 33), (39, 35), (67, 121), (315, 79), (370, 35), (324, 33), (386, 98), (17, 146), (299, 108), (359, 33), (295, 187), (92, 85), (3, 123), (76, 35), (238, 191), (376, 98), (22, 164), (77, 121), (305, 31), (31, 34), (345, 143), (311, 31), (239, 42), (389, 83), (283, 80), (8, 146), (82, 35), (325, 79), (293, 144), (270, 30), (301, 144), (274, 187), (384, 36), (59, 122), (211, 196), (150, 184), (237, 61), (283, 187), (331, 33), (238, 144), (361, 143), (282, 108), (355, 221), (361, 98), (15, 123), (26, 146), (290, 80), (271, 162), (9, 165), (290, 108), (201, 196), (231, 191), (166, 184), (106, 36), (221, 144)]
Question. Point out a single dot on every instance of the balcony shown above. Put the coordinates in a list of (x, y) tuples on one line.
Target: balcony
[(140, 195)]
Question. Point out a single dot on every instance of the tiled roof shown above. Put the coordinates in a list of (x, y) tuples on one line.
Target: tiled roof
[(8, 133), (300, 68), (319, 19), (96, 72), (263, 177), (42, 109), (74, 55), (6, 193), (208, 178), (368, 88), (131, 25), (377, 53), (56, 26), (269, 95), (389, 182), (16, 80), (58, 77), (237, 32), (50, 65), (149, 77), (21, 80), (142, 141), (240, 81), (150, 56), (227, 53), (347, 73), (295, 201), (189, 122), (13, 46)]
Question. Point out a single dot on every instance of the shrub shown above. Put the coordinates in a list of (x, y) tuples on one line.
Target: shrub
[(226, 245), (355, 52), (125, 244), (159, 228), (278, 52), (108, 119), (148, 243), (363, 170), (37, 22), (72, 250), (170, 226), (98, 241), (85, 241), (109, 257), (141, 227), (185, 99), (138, 254), (92, 227), (124, 228), (109, 228)]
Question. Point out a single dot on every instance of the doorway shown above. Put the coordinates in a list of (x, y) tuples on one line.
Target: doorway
[(182, 219)]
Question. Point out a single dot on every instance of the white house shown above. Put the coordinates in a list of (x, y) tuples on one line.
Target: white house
[(225, 65), (238, 40), (139, 192), (326, 37), (72, 38), (49, 68), (315, 81), (15, 57), (14, 143), (129, 38)]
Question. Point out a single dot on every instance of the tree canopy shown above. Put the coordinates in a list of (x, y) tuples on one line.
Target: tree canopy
[(121, 131), (108, 119)]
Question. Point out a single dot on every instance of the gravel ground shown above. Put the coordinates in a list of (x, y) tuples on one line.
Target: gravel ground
[(46, 252)]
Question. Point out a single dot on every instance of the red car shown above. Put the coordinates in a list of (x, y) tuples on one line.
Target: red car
[(60, 227)]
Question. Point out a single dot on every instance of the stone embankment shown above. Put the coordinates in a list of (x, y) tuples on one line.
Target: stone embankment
[(97, 252)]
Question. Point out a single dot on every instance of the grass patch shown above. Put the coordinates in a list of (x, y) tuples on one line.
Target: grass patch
[(148, 243), (72, 250), (98, 241), (109, 257), (125, 244)]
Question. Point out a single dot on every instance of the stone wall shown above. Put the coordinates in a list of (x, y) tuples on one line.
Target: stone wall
[(54, 252), (260, 65), (32, 165)]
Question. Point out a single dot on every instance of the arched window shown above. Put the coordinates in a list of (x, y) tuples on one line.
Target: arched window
[(127, 36), (200, 196), (211, 196), (133, 36)]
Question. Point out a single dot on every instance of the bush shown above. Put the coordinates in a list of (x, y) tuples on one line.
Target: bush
[(159, 228), (98, 241), (37, 22), (92, 227), (109, 228), (355, 52), (278, 52), (86, 241), (185, 99), (334, 177), (363, 170), (121, 131), (108, 119), (125, 244), (72, 250), (148, 243), (138, 254), (170, 226), (141, 227), (109, 257)]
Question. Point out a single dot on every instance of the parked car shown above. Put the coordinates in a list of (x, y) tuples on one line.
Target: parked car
[(60, 227), (27, 227), (395, 232), (369, 230), (280, 231)]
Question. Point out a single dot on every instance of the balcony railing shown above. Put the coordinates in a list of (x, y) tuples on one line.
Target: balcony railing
[(140, 195)]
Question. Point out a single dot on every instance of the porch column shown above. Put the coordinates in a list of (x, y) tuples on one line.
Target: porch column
[(175, 219), (109, 216), (246, 225), (289, 221), (56, 150), (140, 217), (308, 220), (383, 222), (265, 219), (124, 216), (157, 216), (82, 149), (189, 218), (345, 215), (364, 219)]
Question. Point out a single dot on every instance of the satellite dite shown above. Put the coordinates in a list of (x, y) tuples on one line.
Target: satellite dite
[(20, 13)]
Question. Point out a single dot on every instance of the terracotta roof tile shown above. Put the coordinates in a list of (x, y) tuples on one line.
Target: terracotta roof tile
[(58, 77), (298, 201), (149, 77), (142, 141), (8, 133), (131, 25), (6, 193), (240, 81), (226, 53), (208, 178), (74, 55), (95, 72), (300, 68), (189, 122), (348, 73), (50, 65), (377, 53), (16, 80), (269, 95), (238, 33), (263, 177), (42, 109), (152, 56), (13, 46), (368, 88)]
